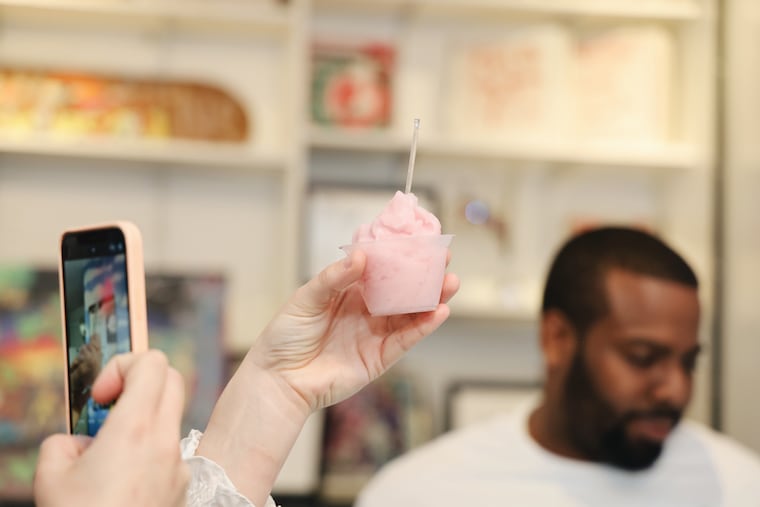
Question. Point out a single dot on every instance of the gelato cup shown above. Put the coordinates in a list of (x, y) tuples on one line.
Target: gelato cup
[(404, 274)]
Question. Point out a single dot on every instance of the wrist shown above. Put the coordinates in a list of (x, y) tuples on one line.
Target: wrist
[(253, 427)]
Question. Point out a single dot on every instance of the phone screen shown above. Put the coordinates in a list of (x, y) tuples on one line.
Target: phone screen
[(96, 309)]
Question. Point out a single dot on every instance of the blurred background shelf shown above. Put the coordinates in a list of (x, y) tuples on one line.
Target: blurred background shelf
[(170, 152), (668, 10), (497, 314), (644, 156), (665, 156), (239, 208), (263, 16)]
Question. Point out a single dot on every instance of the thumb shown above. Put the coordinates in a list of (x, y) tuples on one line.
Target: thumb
[(336, 277)]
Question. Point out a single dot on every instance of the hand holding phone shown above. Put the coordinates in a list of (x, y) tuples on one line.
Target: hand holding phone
[(135, 459), (102, 283)]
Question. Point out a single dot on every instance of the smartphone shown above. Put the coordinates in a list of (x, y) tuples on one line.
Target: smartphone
[(103, 311)]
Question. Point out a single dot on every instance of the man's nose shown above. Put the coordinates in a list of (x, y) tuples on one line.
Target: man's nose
[(673, 386)]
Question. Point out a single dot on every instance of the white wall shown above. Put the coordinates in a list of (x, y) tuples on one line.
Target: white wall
[(742, 318)]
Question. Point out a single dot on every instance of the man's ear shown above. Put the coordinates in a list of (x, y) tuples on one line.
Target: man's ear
[(558, 340)]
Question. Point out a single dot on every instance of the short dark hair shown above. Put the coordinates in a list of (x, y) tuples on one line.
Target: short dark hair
[(576, 281)]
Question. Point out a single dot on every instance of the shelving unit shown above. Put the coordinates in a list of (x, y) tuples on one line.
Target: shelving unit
[(675, 10), (530, 186), (287, 25), (663, 156), (422, 32), (240, 208), (180, 153), (260, 17), (286, 152), (256, 51)]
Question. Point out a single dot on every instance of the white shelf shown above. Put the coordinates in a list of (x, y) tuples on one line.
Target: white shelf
[(519, 316), (669, 156), (675, 10), (673, 156), (356, 140), (263, 15), (187, 153)]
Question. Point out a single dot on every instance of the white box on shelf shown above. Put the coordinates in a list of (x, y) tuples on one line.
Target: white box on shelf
[(508, 85), (624, 80)]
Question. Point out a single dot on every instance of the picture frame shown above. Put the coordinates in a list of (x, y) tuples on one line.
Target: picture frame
[(185, 321), (335, 211), (352, 84), (362, 433), (470, 401)]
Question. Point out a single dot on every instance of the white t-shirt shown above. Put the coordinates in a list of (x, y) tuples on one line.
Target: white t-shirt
[(497, 463)]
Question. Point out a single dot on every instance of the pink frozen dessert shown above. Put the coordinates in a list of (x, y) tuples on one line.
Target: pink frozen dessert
[(406, 258)]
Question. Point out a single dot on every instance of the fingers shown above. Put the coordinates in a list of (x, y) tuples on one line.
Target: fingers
[(172, 403), (417, 327), (420, 325), (450, 287), (145, 384), (412, 329), (140, 377), (318, 291), (110, 382)]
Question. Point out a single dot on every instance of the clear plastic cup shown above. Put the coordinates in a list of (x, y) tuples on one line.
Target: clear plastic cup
[(404, 274)]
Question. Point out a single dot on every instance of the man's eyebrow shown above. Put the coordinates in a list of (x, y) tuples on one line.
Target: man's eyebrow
[(658, 347), (643, 342)]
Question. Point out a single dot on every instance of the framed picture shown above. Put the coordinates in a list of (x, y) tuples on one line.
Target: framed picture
[(362, 433), (334, 212), (471, 401), (508, 84), (116, 107), (185, 320), (352, 85), (31, 373)]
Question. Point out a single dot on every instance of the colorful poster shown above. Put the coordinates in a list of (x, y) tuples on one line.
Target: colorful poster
[(87, 105), (509, 86), (185, 320), (352, 85), (362, 433), (624, 87), (31, 373)]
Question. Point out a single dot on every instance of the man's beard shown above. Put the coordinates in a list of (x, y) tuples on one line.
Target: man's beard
[(596, 429)]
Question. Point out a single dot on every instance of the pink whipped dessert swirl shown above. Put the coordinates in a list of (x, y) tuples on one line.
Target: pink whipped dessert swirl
[(402, 216)]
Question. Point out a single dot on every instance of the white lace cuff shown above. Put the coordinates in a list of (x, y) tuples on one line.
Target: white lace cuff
[(209, 484)]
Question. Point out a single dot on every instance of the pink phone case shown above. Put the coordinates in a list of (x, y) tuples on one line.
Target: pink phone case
[(138, 314)]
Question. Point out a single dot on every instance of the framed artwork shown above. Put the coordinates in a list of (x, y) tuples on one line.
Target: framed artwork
[(352, 85), (471, 401), (508, 84), (76, 104), (362, 433), (624, 86), (31, 374), (185, 320), (334, 212)]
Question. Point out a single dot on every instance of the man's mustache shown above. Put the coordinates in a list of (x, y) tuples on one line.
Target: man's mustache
[(664, 412)]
